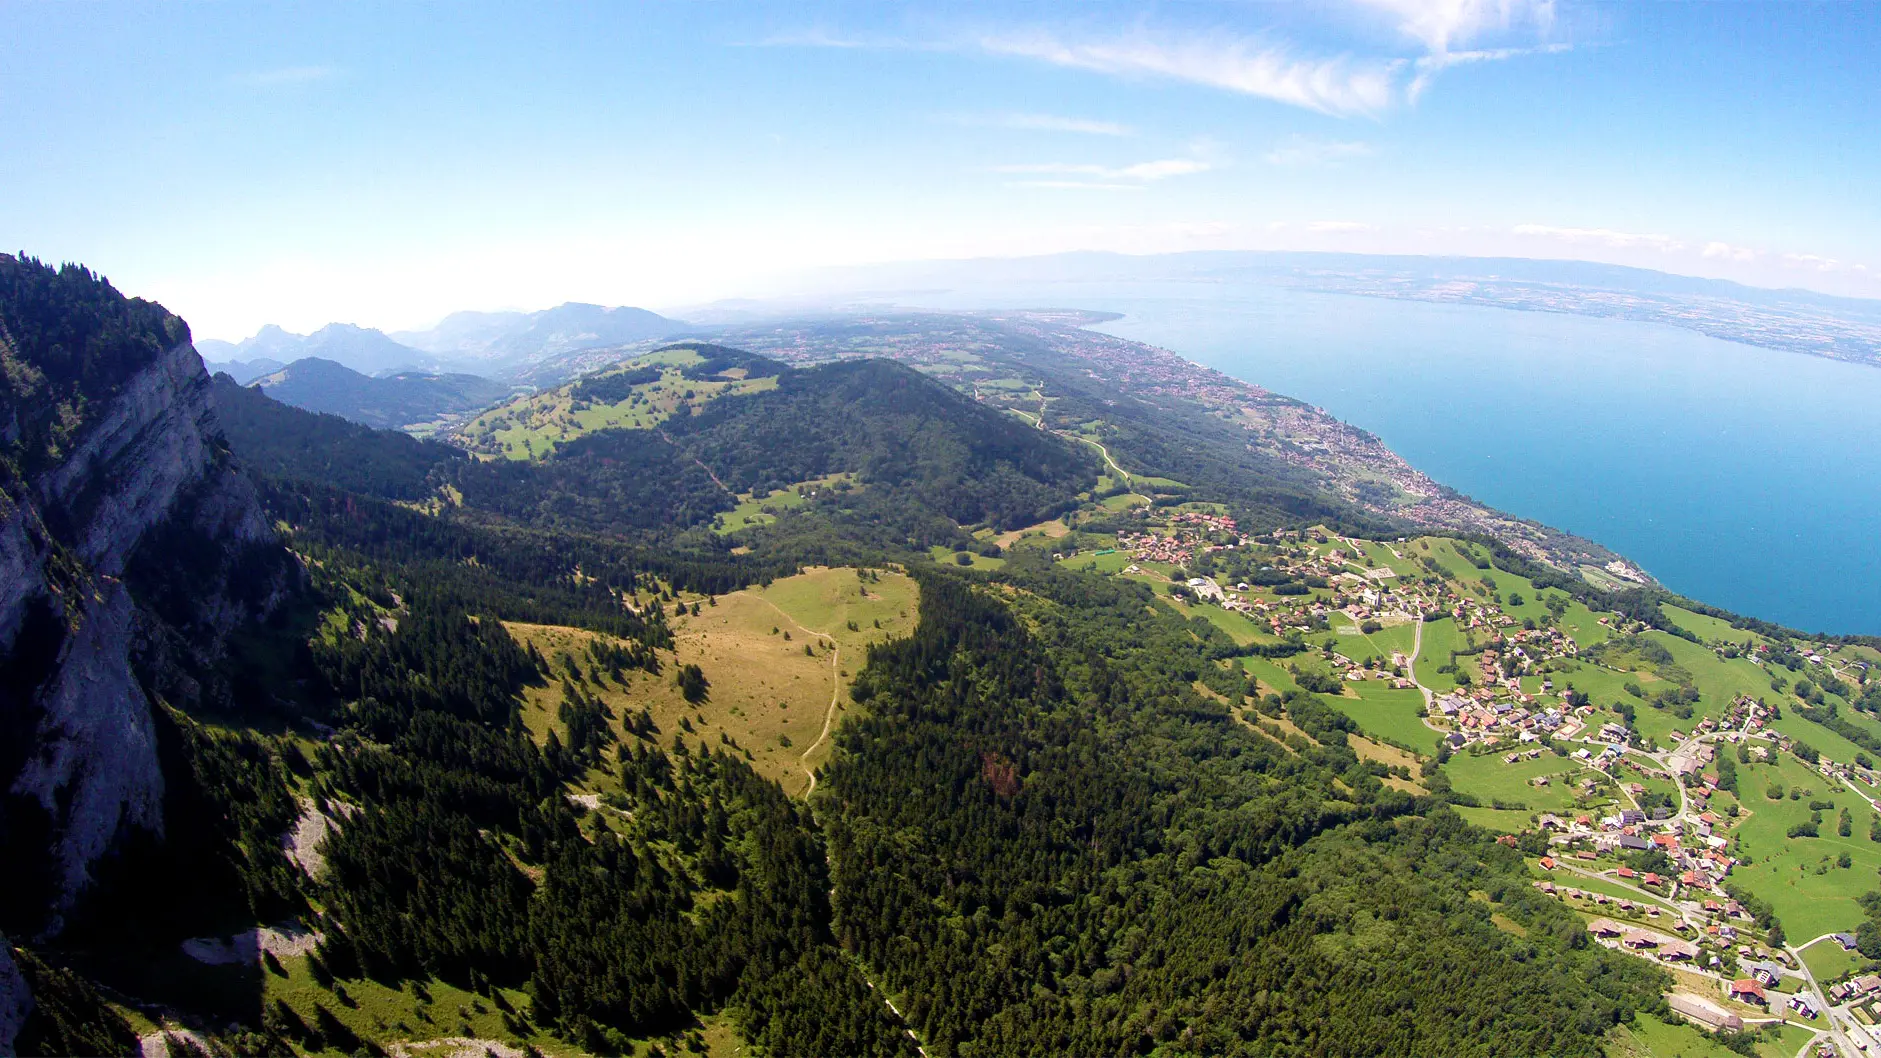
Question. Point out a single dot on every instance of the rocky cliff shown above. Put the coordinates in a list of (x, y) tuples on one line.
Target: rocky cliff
[(114, 484), (16, 1000)]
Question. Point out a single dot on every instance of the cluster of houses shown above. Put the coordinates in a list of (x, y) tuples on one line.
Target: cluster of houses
[(1643, 941), (1700, 858), (1856, 989), (1157, 547), (1185, 539), (1483, 717)]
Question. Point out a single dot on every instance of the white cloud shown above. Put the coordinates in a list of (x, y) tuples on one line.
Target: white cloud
[(1308, 150), (1074, 185), (287, 75), (1441, 25), (1618, 240), (1046, 123), (1340, 227), (1811, 261), (1341, 86), (1724, 251), (1431, 65), (1145, 171)]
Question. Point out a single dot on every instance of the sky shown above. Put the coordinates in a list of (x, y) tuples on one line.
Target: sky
[(385, 164)]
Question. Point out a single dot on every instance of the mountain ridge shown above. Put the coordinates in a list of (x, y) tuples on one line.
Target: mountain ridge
[(389, 401)]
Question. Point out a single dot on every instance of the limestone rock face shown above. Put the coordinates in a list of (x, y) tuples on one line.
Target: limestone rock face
[(148, 469), (16, 999), (96, 768)]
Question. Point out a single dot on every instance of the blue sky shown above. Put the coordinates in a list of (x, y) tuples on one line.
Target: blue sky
[(386, 164)]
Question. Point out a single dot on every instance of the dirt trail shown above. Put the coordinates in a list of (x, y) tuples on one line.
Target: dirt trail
[(696, 462), (835, 691)]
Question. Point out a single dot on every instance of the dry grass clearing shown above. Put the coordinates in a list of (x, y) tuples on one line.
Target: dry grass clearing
[(1051, 530), (1390, 756), (768, 696)]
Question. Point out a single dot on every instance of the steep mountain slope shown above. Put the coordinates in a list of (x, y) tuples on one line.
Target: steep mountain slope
[(277, 440), (130, 547), (388, 401)]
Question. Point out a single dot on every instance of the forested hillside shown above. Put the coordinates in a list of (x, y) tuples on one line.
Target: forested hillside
[(393, 401)]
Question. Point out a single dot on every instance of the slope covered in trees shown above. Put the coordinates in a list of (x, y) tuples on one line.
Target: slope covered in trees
[(387, 401), (281, 441), (1048, 839), (907, 437)]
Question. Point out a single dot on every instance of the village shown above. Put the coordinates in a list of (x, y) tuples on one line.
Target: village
[(1638, 825)]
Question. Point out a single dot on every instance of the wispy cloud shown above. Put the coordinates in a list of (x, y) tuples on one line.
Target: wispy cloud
[(1309, 150), (287, 75), (1442, 26), (1043, 123), (1618, 240), (1341, 85), (1724, 251), (1145, 171), (1340, 227), (1074, 185), (1813, 262), (1440, 34)]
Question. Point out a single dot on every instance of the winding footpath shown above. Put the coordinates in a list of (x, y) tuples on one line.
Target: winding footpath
[(835, 691)]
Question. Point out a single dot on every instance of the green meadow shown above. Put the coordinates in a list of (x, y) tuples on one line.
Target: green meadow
[(1798, 876)]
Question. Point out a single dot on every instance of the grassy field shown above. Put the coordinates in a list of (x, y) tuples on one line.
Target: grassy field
[(1111, 563), (1489, 779), (1797, 875), (767, 697), (1497, 819), (426, 1014), (1274, 679), (1049, 530), (947, 556), (1828, 742), (1387, 714), (1828, 962), (1390, 756), (1359, 645), (1584, 625), (753, 510), (532, 427), (1239, 627), (1709, 629), (1440, 638), (416, 1011), (1648, 1037), (1611, 887)]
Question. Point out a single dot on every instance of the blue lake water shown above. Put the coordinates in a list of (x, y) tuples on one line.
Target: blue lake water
[(1745, 477)]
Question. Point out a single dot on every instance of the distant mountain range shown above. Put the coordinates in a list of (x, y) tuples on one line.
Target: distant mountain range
[(506, 340), (360, 348), (404, 398), (507, 345), (242, 371), (1802, 321)]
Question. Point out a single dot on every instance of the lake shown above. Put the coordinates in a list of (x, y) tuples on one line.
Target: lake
[(1744, 477)]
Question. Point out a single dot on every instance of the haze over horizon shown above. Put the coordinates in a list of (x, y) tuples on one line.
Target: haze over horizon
[(388, 166)]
